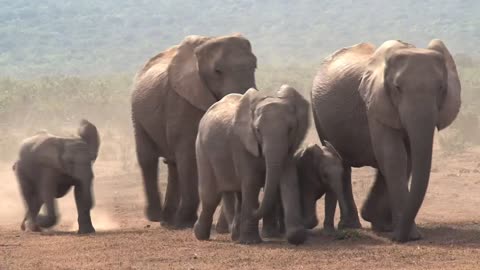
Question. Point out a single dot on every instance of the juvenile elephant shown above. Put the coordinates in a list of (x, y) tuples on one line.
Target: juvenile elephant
[(246, 142), (379, 107), (171, 93), (48, 166), (320, 172)]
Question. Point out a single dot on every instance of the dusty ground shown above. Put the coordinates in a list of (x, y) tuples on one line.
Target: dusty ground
[(449, 220)]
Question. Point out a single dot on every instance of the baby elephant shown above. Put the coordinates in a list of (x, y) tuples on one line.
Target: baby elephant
[(320, 172), (245, 142), (46, 169)]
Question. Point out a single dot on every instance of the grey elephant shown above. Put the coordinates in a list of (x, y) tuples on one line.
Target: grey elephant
[(320, 172), (379, 107), (171, 94), (48, 166), (246, 142)]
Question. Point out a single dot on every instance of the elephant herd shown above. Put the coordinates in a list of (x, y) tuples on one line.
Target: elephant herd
[(196, 105)]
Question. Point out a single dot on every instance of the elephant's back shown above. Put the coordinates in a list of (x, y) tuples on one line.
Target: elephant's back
[(339, 111), (40, 150), (217, 121)]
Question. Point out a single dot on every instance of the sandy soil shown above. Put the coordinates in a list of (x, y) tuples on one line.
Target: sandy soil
[(449, 220)]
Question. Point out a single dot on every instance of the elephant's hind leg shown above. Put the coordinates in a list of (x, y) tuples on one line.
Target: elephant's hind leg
[(172, 196), (203, 225), (222, 226), (376, 208), (31, 200), (188, 182), (209, 198), (148, 160)]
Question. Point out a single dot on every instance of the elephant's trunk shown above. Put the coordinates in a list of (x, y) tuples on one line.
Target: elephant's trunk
[(420, 132), (275, 154)]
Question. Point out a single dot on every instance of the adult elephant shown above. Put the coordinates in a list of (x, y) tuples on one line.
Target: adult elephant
[(171, 93), (393, 96)]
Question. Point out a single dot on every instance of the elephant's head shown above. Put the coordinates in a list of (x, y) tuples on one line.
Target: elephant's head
[(319, 169), (77, 155), (413, 90), (272, 127), (205, 69)]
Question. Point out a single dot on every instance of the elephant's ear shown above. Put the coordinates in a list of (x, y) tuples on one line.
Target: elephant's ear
[(332, 150), (302, 108), (452, 100), (374, 89), (89, 134), (184, 76), (243, 121)]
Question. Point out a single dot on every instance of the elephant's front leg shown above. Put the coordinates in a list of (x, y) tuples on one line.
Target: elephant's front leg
[(351, 221), (48, 191), (188, 182), (391, 154), (271, 222), (290, 194), (330, 207), (84, 202), (249, 233)]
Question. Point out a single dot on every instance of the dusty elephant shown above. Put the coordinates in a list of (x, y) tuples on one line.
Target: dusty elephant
[(48, 166), (320, 172), (246, 142), (379, 107), (171, 94)]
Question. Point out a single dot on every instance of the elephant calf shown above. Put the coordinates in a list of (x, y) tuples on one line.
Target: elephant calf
[(320, 172), (246, 142), (48, 166)]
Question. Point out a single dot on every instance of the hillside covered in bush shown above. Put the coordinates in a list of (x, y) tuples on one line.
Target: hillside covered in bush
[(99, 37)]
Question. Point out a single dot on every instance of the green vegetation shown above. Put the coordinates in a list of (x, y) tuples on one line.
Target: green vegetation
[(98, 37)]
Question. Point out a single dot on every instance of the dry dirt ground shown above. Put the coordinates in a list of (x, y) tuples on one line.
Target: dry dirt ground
[(449, 220)]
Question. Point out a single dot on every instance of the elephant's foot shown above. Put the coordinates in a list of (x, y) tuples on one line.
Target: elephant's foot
[(154, 214), (296, 236), (413, 236), (185, 223), (351, 223), (46, 221), (86, 229), (30, 226), (222, 226), (168, 219), (366, 213), (329, 230), (311, 222), (235, 231), (382, 226), (202, 231), (271, 232), (249, 238)]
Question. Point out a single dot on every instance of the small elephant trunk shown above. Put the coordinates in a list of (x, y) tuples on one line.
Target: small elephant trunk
[(275, 154), (270, 190)]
